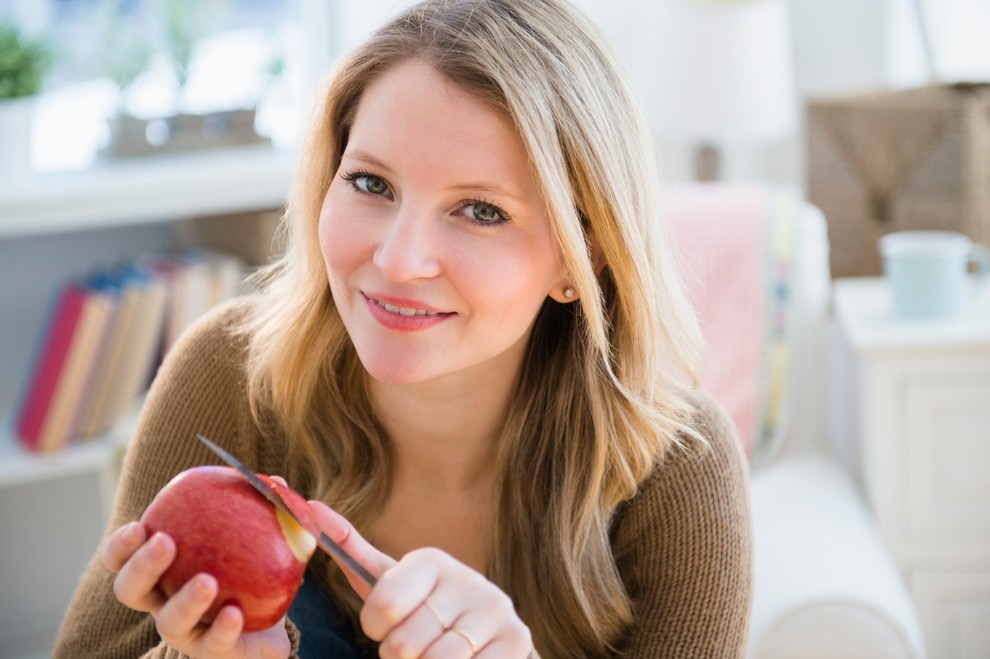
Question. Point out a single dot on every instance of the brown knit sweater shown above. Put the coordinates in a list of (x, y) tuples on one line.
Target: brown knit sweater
[(682, 545)]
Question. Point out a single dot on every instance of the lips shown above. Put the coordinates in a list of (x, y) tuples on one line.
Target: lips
[(404, 314), (405, 311)]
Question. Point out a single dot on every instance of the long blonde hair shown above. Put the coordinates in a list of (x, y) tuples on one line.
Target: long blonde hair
[(604, 389)]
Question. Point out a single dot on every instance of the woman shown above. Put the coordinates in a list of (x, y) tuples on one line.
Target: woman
[(476, 353)]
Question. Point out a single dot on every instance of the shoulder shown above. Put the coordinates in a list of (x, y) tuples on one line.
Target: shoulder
[(717, 442), (203, 374), (683, 545), (706, 477), (200, 388), (213, 345), (218, 331)]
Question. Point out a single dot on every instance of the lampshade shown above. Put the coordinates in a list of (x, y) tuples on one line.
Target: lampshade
[(723, 73)]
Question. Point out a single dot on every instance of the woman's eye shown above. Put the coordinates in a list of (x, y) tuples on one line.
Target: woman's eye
[(484, 213), (370, 184)]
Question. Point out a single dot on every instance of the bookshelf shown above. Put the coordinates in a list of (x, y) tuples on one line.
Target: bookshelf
[(19, 467), (57, 226), (137, 190), (53, 506)]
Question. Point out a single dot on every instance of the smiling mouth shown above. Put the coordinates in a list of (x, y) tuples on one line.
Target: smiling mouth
[(405, 311)]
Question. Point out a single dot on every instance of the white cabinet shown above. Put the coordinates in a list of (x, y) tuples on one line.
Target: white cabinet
[(955, 608), (916, 398)]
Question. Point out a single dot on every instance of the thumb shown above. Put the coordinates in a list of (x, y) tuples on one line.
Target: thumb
[(344, 534)]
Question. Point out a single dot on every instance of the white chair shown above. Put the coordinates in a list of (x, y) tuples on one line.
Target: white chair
[(825, 585)]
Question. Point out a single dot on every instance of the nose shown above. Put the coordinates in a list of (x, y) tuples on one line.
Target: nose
[(409, 246)]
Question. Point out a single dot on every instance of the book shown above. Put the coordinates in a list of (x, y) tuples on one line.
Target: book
[(139, 352), (49, 361), (198, 280), (85, 351), (109, 284), (194, 293), (105, 335), (168, 270), (226, 274), (132, 281)]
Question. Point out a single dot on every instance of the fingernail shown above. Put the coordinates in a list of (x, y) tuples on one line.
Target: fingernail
[(202, 587), (132, 536), (157, 545)]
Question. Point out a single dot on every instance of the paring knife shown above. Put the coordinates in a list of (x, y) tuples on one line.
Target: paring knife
[(322, 539)]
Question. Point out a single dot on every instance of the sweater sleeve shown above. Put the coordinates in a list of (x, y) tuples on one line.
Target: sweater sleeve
[(198, 389), (684, 548)]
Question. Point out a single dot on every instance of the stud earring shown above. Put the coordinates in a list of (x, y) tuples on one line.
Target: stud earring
[(568, 293)]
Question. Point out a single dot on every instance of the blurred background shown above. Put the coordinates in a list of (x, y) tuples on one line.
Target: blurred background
[(153, 58), (160, 134)]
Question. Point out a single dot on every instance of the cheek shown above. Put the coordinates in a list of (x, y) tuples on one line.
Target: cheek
[(518, 280), (340, 244)]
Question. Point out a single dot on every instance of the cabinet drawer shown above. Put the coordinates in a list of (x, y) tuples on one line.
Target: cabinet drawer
[(947, 435), (955, 613)]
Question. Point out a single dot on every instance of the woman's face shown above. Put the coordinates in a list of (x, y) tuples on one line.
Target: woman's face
[(437, 245)]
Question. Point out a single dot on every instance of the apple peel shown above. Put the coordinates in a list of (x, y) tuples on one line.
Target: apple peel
[(295, 502)]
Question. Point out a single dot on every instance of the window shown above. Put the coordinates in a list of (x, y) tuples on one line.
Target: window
[(150, 59)]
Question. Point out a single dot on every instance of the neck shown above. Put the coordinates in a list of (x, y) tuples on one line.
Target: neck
[(444, 436)]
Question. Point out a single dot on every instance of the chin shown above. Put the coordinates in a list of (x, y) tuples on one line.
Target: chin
[(397, 369)]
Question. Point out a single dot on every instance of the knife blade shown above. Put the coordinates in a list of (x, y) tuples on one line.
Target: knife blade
[(322, 539)]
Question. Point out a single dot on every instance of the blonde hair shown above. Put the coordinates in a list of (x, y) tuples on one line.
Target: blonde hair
[(604, 390)]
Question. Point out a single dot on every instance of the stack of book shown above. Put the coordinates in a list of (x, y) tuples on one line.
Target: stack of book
[(105, 335)]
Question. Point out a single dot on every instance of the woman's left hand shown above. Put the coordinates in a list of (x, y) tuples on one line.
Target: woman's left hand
[(428, 604)]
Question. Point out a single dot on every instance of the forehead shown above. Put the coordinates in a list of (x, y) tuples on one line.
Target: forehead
[(412, 110)]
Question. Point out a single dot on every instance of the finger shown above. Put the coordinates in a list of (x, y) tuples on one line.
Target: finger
[(178, 619), (343, 533), (281, 481), (410, 638), (402, 590), (477, 629), (480, 628), (458, 590), (135, 584), (121, 545), (451, 645), (502, 648), (224, 633)]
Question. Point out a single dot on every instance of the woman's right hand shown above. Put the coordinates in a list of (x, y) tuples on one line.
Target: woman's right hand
[(139, 561)]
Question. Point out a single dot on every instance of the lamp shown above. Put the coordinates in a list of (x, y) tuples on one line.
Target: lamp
[(723, 75)]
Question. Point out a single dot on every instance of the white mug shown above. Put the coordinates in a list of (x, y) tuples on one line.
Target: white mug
[(928, 271)]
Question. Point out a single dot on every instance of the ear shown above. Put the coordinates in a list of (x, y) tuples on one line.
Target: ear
[(564, 292)]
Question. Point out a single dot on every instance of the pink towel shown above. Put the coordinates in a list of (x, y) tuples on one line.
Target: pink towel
[(734, 256)]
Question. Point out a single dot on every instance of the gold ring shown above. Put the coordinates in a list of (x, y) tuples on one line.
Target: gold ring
[(463, 634), (436, 615)]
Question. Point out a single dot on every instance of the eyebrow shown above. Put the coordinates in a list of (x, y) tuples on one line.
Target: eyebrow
[(467, 186), (365, 158)]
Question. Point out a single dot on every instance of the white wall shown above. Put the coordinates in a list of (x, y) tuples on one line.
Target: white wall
[(840, 46)]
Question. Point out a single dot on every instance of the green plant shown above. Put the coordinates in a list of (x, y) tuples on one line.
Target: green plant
[(186, 22), (124, 52), (23, 63)]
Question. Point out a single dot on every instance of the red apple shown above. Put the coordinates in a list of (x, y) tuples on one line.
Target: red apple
[(222, 526)]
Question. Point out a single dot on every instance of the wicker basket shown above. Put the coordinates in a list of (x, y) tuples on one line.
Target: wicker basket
[(899, 160)]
